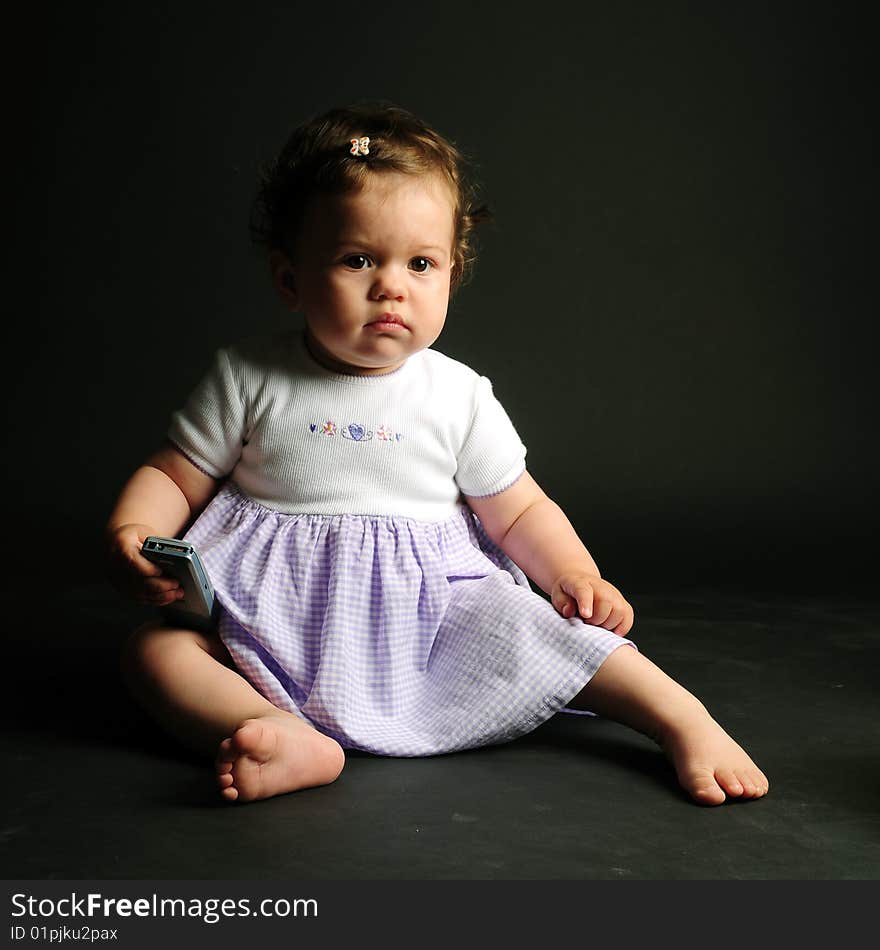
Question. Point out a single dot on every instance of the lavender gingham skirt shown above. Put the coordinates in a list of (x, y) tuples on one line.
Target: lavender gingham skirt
[(394, 636)]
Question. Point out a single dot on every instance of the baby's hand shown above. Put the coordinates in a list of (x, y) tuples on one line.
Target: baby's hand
[(598, 602), (132, 574)]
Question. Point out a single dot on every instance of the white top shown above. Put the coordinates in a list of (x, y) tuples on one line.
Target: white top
[(300, 438)]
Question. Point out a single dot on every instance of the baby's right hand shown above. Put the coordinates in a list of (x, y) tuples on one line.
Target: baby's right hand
[(132, 574)]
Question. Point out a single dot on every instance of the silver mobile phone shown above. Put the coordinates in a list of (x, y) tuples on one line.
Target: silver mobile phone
[(179, 559)]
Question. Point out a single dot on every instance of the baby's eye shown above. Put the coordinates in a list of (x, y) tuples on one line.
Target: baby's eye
[(357, 261), (421, 265)]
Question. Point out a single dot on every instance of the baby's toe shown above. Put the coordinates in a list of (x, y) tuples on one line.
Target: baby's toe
[(749, 786), (703, 787), (729, 781), (759, 783), (226, 755)]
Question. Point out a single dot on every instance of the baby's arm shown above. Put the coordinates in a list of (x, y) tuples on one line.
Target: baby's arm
[(159, 498), (534, 531)]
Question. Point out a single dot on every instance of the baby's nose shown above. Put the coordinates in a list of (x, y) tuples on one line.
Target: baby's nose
[(388, 285)]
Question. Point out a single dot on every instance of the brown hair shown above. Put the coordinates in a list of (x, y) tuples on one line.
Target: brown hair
[(317, 159)]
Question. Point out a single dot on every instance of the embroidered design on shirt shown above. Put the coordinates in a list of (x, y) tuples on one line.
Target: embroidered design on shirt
[(355, 431)]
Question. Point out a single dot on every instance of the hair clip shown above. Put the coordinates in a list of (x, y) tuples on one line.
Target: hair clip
[(360, 146)]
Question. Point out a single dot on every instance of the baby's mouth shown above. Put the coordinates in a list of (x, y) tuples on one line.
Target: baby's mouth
[(388, 322)]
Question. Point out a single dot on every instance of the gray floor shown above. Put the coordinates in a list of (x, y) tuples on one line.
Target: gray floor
[(93, 790)]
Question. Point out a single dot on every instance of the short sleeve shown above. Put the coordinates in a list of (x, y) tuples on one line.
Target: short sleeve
[(210, 428), (492, 456)]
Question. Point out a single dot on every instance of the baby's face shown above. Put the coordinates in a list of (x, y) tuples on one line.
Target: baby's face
[(371, 272)]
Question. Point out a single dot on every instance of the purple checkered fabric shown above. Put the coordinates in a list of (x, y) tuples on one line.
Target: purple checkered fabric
[(393, 636)]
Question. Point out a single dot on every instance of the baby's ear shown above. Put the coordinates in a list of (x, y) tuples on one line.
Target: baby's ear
[(283, 278)]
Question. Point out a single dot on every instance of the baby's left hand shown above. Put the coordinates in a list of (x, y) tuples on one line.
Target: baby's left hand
[(598, 602)]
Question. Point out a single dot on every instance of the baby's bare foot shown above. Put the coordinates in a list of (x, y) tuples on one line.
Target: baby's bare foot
[(272, 755), (709, 764)]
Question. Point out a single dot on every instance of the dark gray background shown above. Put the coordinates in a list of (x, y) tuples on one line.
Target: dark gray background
[(675, 302)]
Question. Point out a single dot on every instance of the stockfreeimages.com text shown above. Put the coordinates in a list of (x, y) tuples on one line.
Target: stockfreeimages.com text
[(210, 910)]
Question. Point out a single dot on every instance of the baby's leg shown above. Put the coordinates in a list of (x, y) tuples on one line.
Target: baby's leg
[(710, 766), (186, 680)]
